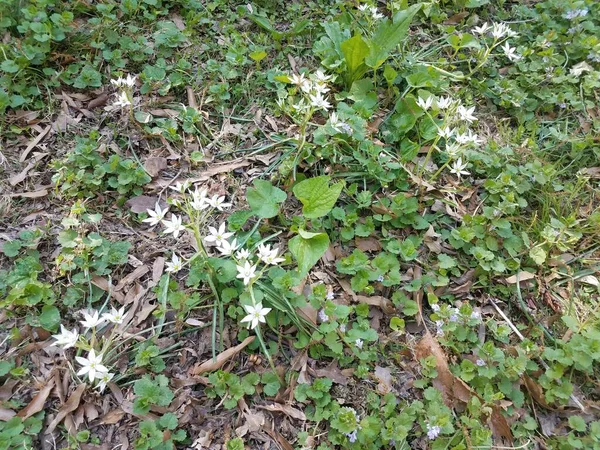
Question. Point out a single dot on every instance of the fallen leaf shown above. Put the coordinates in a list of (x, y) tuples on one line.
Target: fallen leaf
[(34, 143), (37, 403), (367, 244), (218, 169), (522, 276), (103, 284), (131, 277), (383, 375), (285, 409), (112, 417), (384, 303), (212, 365), (142, 203), (98, 101), (589, 279), (332, 371), (431, 240), (536, 392), (157, 269), (6, 390), (18, 178), (6, 414), (31, 194), (155, 165), (69, 406)]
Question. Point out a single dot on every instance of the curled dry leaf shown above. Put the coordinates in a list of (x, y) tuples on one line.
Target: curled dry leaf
[(70, 405), (37, 403), (212, 365), (384, 303), (285, 409), (155, 165), (6, 414), (521, 276), (384, 376)]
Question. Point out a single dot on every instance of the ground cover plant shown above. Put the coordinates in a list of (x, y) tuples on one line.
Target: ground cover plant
[(299, 225)]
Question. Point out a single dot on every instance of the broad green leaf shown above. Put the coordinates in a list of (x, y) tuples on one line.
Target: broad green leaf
[(264, 199), (308, 251), (538, 254), (355, 50), (11, 248), (9, 66), (388, 35), (50, 318), (317, 197)]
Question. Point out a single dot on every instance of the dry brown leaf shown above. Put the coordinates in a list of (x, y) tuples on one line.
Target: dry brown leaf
[(383, 376), (418, 295), (6, 414), (285, 409), (219, 168), (536, 392), (31, 194), (155, 165), (522, 276), (34, 142), (6, 390), (37, 403), (212, 365), (131, 277), (368, 244), (103, 284), (431, 240), (380, 301), (18, 178), (98, 101), (277, 437), (142, 203), (70, 405), (112, 417), (157, 269), (332, 371)]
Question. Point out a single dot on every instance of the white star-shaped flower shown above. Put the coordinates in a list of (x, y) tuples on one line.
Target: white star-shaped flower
[(218, 202), (199, 199), (255, 315), (444, 102), (104, 379), (321, 77), (243, 255), (92, 365), (482, 29), (425, 104), (181, 187), (156, 215), (66, 339), (173, 226), (318, 101), (446, 132), (466, 114), (217, 236), (122, 100), (227, 248), (246, 272), (510, 52), (175, 265), (92, 319), (458, 168), (115, 315)]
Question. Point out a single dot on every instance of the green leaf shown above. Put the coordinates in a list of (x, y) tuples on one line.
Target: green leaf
[(9, 66), (271, 383), (577, 423), (258, 55), (388, 35), (50, 318), (264, 199), (317, 197), (355, 50), (446, 262), (308, 250), (11, 248), (538, 254)]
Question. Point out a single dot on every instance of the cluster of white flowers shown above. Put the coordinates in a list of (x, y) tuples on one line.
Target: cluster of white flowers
[(124, 96), (500, 31), (314, 87), (92, 366), (453, 315), (457, 117), (372, 10)]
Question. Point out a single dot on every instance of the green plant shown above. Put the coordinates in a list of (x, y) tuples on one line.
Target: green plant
[(17, 433), (159, 434), (151, 391), (87, 171)]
